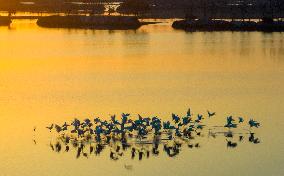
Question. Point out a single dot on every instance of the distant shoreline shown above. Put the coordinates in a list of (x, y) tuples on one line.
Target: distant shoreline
[(90, 22), (158, 14), (265, 25), (117, 22)]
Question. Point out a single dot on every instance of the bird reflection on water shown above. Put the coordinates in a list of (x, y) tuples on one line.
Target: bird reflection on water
[(145, 137)]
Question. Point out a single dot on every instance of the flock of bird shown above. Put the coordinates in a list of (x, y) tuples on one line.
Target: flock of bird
[(143, 136)]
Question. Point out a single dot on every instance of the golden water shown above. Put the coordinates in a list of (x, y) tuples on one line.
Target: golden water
[(53, 75)]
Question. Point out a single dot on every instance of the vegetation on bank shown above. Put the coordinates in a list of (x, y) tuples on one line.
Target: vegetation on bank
[(134, 7), (52, 6), (199, 15), (92, 22), (244, 9), (266, 24)]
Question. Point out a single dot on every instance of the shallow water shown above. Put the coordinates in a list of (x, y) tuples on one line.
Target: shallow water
[(53, 75)]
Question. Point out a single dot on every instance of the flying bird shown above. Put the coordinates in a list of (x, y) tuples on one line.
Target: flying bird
[(241, 120), (211, 114), (188, 113), (175, 118), (253, 123), (126, 133), (50, 127)]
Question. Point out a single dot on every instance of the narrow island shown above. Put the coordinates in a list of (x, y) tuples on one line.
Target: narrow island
[(91, 22), (265, 25)]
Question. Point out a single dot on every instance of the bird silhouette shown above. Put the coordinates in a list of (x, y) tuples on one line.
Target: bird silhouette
[(197, 145), (175, 118), (50, 127), (199, 117), (229, 134), (67, 148), (188, 113), (231, 144), (211, 114), (230, 122), (57, 128), (253, 123), (91, 149), (241, 119), (142, 136), (58, 147), (253, 139)]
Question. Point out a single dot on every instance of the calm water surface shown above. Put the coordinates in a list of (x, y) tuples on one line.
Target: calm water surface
[(53, 75)]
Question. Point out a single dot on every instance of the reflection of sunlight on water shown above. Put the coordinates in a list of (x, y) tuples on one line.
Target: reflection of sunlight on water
[(51, 75)]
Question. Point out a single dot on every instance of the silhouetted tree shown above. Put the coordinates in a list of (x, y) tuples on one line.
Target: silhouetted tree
[(9, 6), (134, 7), (280, 8)]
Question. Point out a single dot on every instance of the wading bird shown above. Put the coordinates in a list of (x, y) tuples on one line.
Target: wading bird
[(140, 135), (253, 123)]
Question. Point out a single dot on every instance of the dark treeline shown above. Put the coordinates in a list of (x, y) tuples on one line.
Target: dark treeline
[(52, 6), (220, 8), (157, 8)]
